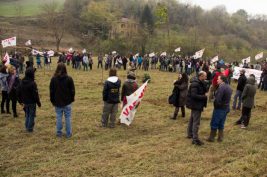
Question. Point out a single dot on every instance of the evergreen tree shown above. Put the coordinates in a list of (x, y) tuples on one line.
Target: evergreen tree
[(147, 19)]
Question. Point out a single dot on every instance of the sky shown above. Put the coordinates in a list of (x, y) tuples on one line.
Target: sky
[(253, 7)]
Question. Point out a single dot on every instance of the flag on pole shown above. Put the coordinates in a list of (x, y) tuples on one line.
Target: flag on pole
[(50, 53), (163, 54), (129, 110), (84, 51), (9, 42), (35, 52), (178, 49), (259, 56), (247, 60), (29, 42), (199, 54), (70, 49), (152, 54), (214, 59), (6, 59), (114, 52)]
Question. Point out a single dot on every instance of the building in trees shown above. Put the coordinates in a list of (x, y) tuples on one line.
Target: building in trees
[(125, 27)]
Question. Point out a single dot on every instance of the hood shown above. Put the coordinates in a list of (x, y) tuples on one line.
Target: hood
[(194, 79), (251, 80), (113, 79)]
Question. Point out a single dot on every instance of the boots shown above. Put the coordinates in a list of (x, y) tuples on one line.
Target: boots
[(212, 135), (174, 117), (220, 136)]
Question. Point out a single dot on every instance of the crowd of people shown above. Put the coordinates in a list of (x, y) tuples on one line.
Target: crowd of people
[(209, 83)]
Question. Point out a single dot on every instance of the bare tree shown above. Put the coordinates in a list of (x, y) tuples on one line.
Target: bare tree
[(54, 20)]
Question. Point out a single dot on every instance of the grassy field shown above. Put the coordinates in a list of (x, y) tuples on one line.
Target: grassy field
[(22, 7), (153, 145)]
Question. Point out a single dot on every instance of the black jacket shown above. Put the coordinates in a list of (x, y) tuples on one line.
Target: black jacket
[(28, 93), (62, 91), (111, 91), (196, 98), (242, 80)]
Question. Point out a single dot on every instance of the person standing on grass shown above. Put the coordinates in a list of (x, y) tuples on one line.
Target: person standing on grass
[(111, 94), (62, 93), (221, 108), (85, 62), (196, 101), (248, 98), (38, 61), (28, 97), (240, 87), (4, 89), (182, 87), (128, 87)]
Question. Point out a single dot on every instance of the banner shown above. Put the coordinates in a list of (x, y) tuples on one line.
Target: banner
[(50, 53), (214, 59), (246, 59), (178, 49), (35, 52), (129, 110), (28, 43), (199, 54), (6, 59), (9, 42), (259, 56), (257, 73)]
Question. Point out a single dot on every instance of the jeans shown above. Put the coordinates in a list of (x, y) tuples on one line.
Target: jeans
[(67, 113), (218, 119), (238, 95), (193, 125), (30, 113)]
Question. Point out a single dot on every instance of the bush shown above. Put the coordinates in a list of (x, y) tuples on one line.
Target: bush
[(146, 77)]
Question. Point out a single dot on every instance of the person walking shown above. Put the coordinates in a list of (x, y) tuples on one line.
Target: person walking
[(196, 101), (248, 98), (111, 94), (62, 94), (240, 87), (181, 86), (28, 97), (221, 108)]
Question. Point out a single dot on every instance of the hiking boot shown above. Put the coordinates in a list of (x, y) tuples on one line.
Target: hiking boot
[(243, 126), (212, 136), (197, 142), (220, 136), (174, 117)]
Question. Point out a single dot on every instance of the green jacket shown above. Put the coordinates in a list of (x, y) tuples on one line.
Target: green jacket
[(249, 93)]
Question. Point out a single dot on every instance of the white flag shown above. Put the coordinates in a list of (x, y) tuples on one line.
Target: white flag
[(84, 51), (9, 42), (259, 56), (199, 54), (6, 59), (137, 55), (29, 42), (70, 49), (114, 52), (178, 49), (129, 110), (246, 59), (152, 54), (214, 59), (163, 54)]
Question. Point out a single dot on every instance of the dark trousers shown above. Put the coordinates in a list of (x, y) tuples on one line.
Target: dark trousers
[(245, 117), (90, 66), (124, 66), (109, 111), (5, 99), (100, 64), (30, 113), (14, 105), (176, 111), (194, 123)]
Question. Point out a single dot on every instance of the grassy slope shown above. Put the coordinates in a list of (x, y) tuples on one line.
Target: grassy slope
[(29, 7), (153, 146)]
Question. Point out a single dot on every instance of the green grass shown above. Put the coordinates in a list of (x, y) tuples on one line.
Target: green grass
[(28, 7), (153, 145)]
